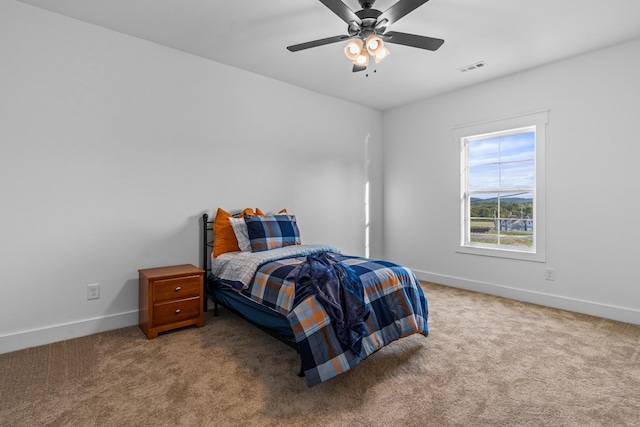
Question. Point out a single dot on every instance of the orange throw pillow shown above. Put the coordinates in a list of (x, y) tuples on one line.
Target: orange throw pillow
[(259, 212), (224, 239)]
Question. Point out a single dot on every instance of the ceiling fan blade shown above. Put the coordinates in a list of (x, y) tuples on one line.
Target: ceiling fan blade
[(412, 40), (341, 9), (316, 43), (400, 9), (357, 68)]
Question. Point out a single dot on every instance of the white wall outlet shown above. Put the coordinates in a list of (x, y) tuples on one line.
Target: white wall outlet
[(93, 291), (549, 274)]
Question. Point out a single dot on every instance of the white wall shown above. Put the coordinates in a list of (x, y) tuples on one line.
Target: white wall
[(113, 147), (592, 152)]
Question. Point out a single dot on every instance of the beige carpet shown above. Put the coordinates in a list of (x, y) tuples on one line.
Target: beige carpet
[(487, 362)]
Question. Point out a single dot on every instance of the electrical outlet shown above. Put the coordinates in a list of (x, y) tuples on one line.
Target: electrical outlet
[(549, 274), (93, 291)]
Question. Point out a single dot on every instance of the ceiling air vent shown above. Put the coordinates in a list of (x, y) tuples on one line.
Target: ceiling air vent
[(472, 67)]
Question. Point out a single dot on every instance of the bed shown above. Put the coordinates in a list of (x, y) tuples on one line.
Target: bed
[(334, 309)]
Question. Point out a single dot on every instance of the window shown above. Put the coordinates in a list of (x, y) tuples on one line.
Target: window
[(502, 187), (500, 178)]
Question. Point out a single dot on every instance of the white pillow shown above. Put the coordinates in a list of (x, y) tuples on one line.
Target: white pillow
[(242, 234)]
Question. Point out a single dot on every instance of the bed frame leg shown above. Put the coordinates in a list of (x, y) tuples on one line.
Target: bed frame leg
[(301, 373)]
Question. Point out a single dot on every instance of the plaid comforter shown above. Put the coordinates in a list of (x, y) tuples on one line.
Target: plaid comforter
[(398, 306)]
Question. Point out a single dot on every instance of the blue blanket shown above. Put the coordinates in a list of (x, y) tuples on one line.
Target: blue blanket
[(339, 290)]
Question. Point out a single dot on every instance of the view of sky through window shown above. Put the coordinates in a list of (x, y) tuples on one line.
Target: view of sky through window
[(506, 162)]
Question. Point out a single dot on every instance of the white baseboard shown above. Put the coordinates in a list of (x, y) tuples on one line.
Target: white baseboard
[(620, 314), (50, 334)]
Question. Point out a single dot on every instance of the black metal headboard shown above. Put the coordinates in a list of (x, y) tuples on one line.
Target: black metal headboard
[(207, 243), (207, 248)]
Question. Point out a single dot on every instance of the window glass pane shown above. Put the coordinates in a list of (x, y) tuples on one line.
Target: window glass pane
[(484, 177), (482, 232), (514, 205), (484, 151), (483, 214), (484, 206), (517, 147), (518, 174), (515, 226)]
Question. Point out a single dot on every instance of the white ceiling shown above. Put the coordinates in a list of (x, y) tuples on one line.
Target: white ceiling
[(508, 35)]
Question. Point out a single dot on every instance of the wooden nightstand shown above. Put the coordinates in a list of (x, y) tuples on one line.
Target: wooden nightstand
[(170, 297)]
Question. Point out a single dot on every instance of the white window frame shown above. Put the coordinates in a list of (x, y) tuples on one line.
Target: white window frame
[(461, 134)]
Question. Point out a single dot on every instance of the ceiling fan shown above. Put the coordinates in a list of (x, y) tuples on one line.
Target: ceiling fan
[(367, 30)]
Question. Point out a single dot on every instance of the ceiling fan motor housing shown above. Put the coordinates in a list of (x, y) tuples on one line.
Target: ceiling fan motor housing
[(369, 18)]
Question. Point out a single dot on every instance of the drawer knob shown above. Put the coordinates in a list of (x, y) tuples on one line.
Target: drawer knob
[(178, 289), (177, 311)]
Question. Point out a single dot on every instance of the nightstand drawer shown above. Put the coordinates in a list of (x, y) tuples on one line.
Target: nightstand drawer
[(176, 311), (179, 287)]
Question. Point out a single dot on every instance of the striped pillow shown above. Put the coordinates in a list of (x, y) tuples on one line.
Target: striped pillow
[(272, 231)]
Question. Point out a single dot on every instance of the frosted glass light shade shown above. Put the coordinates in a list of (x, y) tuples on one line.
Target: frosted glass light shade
[(363, 58), (353, 49), (374, 45), (382, 54)]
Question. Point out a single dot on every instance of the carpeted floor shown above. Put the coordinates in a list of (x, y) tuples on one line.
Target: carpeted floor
[(487, 362)]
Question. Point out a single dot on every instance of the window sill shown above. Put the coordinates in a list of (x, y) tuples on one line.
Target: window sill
[(502, 253)]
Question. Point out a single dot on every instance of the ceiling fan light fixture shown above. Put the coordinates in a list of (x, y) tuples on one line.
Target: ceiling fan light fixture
[(353, 49), (382, 54), (374, 45)]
